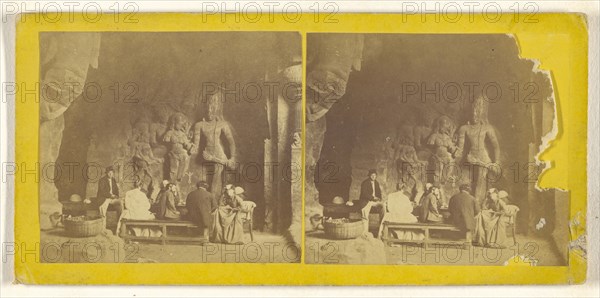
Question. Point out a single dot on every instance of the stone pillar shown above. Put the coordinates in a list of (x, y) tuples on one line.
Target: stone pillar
[(270, 160), (270, 187), (295, 228)]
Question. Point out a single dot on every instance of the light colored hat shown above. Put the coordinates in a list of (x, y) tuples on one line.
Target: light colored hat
[(338, 200), (428, 186), (239, 190), (75, 198), (502, 194), (165, 183)]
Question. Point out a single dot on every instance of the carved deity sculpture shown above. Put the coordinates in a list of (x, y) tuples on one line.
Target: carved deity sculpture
[(443, 148), (472, 140), (422, 132), (158, 128), (409, 167), (211, 131), (180, 146), (140, 142)]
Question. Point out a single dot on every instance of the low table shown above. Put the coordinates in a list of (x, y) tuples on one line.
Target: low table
[(425, 228), (163, 225)]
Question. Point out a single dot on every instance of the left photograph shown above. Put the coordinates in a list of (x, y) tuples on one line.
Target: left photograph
[(170, 147)]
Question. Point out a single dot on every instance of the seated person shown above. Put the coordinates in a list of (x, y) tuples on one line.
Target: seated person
[(245, 205), (399, 210), (108, 194), (503, 195), (200, 203), (430, 205), (167, 209), (227, 225), (463, 207), (370, 195), (156, 202), (137, 206), (490, 230)]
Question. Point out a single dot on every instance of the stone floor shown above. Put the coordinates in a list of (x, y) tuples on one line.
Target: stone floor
[(56, 247), (319, 249), (266, 248)]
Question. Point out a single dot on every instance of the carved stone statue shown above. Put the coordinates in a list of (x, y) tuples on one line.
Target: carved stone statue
[(443, 148), (409, 167), (472, 139), (180, 146), (296, 140), (211, 130), (410, 170), (405, 132), (422, 132), (140, 142), (158, 128)]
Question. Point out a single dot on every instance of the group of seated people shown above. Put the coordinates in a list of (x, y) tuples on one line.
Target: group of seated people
[(487, 222), (220, 219)]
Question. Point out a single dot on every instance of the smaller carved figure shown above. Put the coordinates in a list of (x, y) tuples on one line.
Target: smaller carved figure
[(180, 147), (140, 142), (443, 147)]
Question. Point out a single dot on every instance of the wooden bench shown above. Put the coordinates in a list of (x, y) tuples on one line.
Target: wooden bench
[(163, 225), (425, 228)]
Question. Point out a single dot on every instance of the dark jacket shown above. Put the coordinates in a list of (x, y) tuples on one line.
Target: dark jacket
[(430, 209), (366, 191), (167, 209), (463, 208), (104, 188), (200, 204)]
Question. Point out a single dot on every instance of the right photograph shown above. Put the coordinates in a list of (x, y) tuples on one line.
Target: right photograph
[(426, 149)]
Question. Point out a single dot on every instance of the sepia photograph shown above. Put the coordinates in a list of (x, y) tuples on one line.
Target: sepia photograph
[(424, 149), (383, 151), (170, 147)]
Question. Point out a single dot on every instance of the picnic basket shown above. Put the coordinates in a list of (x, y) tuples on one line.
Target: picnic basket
[(343, 230), (83, 226)]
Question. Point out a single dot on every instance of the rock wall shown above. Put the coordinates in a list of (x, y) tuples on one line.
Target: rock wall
[(64, 63), (330, 60)]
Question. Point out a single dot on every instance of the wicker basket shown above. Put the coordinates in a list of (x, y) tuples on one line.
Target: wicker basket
[(346, 230), (83, 228)]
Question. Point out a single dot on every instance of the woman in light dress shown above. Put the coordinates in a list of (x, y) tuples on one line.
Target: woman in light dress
[(399, 210), (137, 206)]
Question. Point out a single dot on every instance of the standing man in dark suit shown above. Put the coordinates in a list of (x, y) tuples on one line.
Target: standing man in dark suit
[(370, 195), (463, 207), (108, 193), (200, 204)]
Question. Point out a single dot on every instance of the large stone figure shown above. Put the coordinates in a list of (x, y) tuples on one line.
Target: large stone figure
[(180, 147), (443, 149), (210, 131), (472, 139)]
